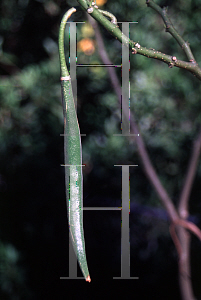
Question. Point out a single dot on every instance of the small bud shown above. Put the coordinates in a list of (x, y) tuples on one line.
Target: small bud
[(137, 45), (134, 51), (174, 58), (114, 22), (90, 10), (171, 65)]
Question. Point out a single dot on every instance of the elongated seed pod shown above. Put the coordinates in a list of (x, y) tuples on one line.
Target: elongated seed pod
[(73, 158)]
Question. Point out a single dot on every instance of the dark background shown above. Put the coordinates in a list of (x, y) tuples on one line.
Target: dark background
[(33, 223)]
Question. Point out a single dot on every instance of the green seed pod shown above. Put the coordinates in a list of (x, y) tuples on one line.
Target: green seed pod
[(73, 158)]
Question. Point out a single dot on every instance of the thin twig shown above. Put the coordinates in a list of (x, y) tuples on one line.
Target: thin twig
[(188, 182), (190, 226), (170, 28), (185, 224), (175, 239)]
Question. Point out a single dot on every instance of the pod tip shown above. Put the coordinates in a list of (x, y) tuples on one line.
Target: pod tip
[(88, 278)]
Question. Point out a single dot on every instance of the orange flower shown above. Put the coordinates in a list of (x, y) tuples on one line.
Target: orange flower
[(100, 2), (87, 46)]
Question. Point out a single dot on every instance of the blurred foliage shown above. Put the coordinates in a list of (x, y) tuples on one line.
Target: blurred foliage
[(12, 279), (166, 104)]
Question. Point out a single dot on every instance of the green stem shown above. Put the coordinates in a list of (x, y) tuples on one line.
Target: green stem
[(64, 70), (111, 27), (136, 48)]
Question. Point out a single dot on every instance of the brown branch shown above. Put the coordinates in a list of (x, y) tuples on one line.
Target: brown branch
[(182, 245), (184, 198), (175, 239), (190, 226), (185, 224)]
